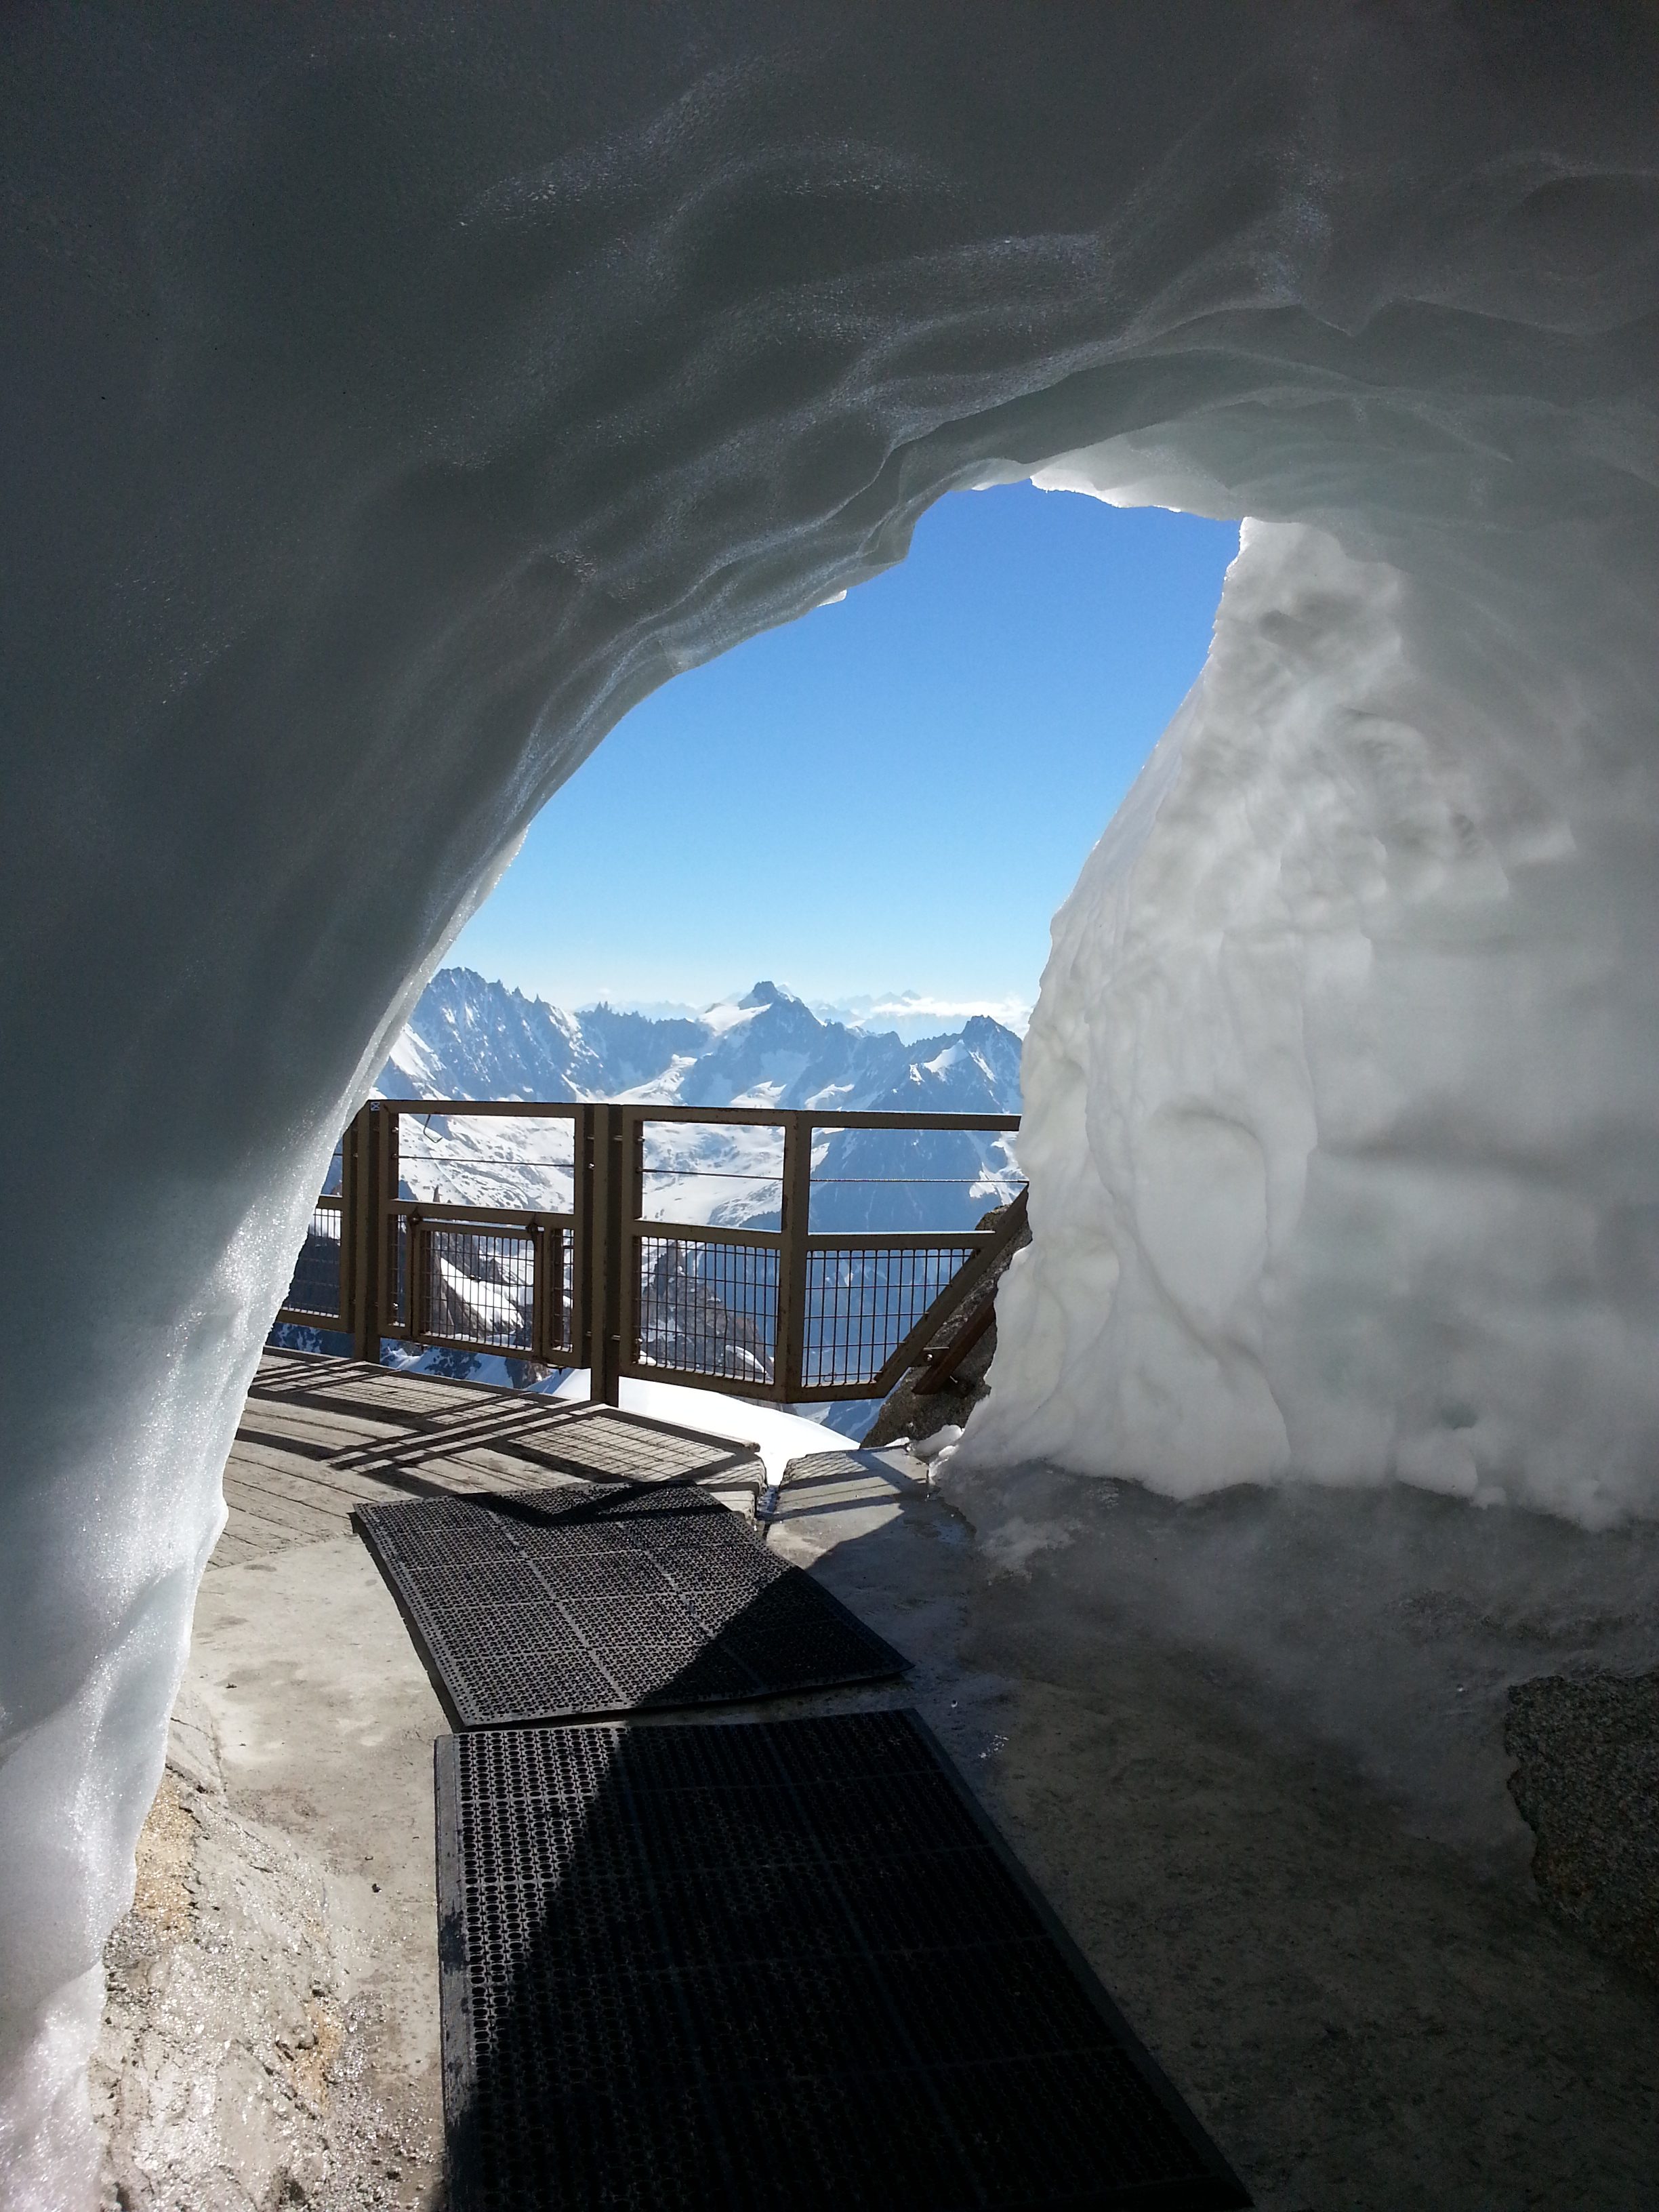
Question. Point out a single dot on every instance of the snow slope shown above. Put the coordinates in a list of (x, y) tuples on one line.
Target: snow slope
[(395, 394)]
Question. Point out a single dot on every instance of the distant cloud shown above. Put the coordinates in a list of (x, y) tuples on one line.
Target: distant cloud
[(913, 1011)]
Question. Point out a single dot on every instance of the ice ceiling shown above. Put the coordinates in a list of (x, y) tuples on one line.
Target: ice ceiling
[(395, 394)]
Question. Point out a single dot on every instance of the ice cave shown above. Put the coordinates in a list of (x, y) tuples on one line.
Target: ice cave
[(395, 394)]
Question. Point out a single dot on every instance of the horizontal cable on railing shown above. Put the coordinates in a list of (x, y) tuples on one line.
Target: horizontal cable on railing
[(820, 1183), (481, 1166), (989, 1176), (719, 1175)]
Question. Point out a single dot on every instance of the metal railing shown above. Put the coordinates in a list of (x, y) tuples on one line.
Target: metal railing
[(782, 1313)]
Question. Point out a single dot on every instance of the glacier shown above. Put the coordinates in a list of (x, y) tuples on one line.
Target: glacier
[(396, 395)]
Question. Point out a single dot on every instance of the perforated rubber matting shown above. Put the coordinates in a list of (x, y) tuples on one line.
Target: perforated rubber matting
[(551, 1604), (779, 1964)]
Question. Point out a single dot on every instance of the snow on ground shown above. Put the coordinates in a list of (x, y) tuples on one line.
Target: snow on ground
[(781, 1433), (778, 1436), (1386, 1627)]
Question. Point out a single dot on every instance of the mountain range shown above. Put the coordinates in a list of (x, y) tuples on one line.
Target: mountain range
[(471, 1038)]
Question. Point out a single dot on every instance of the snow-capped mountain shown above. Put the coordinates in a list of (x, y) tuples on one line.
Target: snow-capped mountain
[(468, 1038), (471, 1038)]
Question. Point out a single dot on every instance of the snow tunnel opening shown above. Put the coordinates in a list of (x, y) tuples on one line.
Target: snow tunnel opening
[(927, 758), (955, 736)]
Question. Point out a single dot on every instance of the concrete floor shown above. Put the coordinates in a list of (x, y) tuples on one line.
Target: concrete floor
[(1361, 1999), (1365, 2015), (270, 2037), (273, 2040)]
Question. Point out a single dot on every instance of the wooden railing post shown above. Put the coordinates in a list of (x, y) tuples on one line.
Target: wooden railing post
[(348, 1239), (387, 1175), (789, 1348), (581, 1256), (366, 1154), (630, 1152), (417, 1319), (608, 1180)]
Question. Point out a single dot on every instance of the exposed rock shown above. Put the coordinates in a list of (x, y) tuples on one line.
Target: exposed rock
[(1587, 1786)]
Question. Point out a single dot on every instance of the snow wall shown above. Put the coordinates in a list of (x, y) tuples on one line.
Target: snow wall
[(1340, 1091), (395, 394)]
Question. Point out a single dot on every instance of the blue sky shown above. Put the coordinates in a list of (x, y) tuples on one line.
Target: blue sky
[(893, 793)]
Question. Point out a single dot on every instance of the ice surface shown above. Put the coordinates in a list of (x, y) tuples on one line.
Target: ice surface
[(1384, 1628), (394, 396)]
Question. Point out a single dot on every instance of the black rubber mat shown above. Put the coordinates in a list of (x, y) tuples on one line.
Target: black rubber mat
[(551, 1604), (772, 1965)]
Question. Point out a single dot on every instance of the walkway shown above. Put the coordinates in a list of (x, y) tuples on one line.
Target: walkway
[(319, 1436), (1364, 2013)]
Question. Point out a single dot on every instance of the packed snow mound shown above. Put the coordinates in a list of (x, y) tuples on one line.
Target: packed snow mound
[(777, 1435), (1340, 1085), (396, 396)]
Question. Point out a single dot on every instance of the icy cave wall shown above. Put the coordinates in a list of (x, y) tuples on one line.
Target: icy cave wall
[(396, 394), (1339, 1089)]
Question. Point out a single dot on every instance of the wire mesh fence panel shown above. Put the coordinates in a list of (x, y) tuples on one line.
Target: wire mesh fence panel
[(707, 1309), (861, 1304), (480, 1286), (764, 1252), (315, 1289)]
